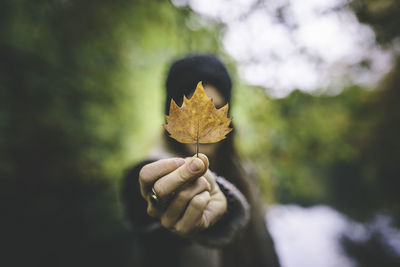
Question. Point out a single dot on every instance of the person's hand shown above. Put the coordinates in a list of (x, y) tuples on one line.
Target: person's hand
[(189, 198)]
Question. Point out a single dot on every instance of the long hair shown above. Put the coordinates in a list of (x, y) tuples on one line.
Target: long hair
[(255, 247)]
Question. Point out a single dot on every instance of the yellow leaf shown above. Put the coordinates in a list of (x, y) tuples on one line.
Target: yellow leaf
[(197, 120)]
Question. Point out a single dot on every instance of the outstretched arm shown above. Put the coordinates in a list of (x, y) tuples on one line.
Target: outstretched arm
[(192, 200)]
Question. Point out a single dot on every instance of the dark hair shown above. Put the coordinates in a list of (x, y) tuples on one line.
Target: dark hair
[(185, 73)]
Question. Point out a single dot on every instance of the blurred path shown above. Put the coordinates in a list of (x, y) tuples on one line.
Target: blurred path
[(313, 237)]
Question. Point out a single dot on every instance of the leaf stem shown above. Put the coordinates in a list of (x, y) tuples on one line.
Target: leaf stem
[(197, 139)]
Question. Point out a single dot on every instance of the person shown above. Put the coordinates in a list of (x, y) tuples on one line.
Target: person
[(196, 211)]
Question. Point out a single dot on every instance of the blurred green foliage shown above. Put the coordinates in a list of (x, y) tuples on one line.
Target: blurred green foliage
[(339, 150)]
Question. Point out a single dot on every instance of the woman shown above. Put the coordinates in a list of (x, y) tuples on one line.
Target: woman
[(198, 211)]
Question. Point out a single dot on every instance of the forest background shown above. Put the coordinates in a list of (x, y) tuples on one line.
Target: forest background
[(81, 100)]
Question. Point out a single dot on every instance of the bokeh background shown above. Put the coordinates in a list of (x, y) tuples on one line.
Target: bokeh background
[(316, 108)]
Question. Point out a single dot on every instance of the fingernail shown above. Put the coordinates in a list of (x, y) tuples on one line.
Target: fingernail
[(194, 166), (180, 161)]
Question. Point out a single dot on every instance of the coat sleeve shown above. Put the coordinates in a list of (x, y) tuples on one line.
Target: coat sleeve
[(221, 233)]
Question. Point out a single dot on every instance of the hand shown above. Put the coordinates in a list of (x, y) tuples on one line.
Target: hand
[(190, 198)]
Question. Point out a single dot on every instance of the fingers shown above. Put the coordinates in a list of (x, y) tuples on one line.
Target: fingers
[(153, 171), (193, 219), (166, 185), (210, 176), (216, 208), (204, 159), (174, 176), (218, 204), (180, 201)]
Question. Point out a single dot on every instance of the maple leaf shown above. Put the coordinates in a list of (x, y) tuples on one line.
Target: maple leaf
[(197, 120)]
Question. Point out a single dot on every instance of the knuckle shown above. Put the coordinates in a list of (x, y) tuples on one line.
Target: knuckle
[(203, 182), (159, 189), (179, 202), (199, 202), (208, 196), (182, 197), (183, 175)]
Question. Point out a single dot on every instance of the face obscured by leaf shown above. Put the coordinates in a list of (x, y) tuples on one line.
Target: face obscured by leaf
[(198, 120)]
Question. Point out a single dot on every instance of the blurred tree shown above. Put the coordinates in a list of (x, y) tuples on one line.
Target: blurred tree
[(381, 153), (295, 141), (75, 78), (378, 167), (340, 150)]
